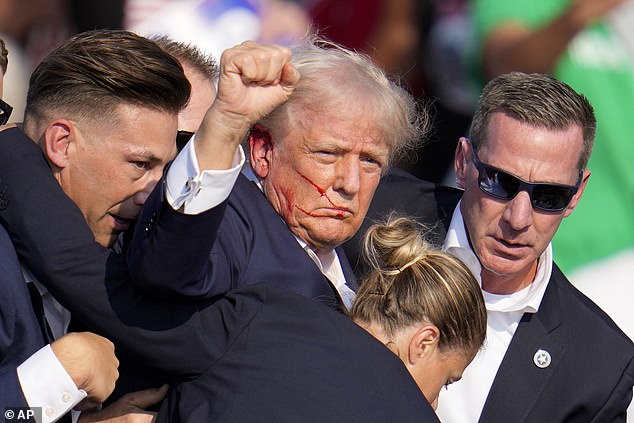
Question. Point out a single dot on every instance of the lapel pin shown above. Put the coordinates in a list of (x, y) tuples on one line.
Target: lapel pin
[(542, 359)]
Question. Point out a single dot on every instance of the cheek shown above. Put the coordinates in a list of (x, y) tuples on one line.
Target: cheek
[(546, 226)]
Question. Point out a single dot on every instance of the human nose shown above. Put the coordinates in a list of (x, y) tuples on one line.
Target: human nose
[(141, 196), (347, 179), (519, 211)]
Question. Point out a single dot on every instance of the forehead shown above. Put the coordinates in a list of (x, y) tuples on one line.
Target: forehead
[(534, 153), (353, 130), (138, 129)]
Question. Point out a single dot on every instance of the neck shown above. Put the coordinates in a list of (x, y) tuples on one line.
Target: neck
[(507, 284)]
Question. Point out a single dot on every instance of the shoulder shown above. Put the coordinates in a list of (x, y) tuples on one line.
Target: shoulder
[(583, 314)]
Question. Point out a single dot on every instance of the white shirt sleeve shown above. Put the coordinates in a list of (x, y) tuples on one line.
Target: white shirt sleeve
[(197, 191), (45, 383)]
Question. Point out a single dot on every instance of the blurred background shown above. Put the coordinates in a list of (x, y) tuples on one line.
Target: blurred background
[(443, 51)]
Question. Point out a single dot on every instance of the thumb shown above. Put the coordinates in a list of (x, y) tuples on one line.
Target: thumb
[(289, 77), (147, 397)]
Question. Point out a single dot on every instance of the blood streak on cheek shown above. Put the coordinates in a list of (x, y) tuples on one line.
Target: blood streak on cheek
[(323, 193), (308, 213)]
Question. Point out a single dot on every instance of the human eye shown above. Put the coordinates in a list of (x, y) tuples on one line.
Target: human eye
[(325, 153), (372, 163), (141, 164)]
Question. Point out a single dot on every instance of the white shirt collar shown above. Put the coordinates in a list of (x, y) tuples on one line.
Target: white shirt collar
[(527, 300)]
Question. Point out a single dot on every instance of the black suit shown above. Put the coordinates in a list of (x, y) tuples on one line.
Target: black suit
[(275, 356), (591, 374), (260, 354)]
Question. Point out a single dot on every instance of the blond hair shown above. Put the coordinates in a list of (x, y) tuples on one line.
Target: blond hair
[(410, 282)]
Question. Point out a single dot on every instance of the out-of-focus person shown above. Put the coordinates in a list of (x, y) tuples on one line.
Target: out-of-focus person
[(383, 29), (215, 25), (201, 71)]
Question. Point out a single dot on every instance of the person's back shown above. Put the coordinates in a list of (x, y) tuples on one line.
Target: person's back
[(291, 359)]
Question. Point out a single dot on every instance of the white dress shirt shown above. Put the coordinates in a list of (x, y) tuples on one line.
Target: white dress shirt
[(463, 401)]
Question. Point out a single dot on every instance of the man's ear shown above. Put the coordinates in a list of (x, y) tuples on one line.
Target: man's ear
[(461, 162), (423, 342), (575, 199), (260, 149), (57, 137)]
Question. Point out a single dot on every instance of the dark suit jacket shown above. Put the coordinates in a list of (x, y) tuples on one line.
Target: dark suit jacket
[(279, 357), (249, 243), (20, 332), (591, 374), (260, 354)]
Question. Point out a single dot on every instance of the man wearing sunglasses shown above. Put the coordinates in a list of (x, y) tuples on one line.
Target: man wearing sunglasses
[(551, 355)]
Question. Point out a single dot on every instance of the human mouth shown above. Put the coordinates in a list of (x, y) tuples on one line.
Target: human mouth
[(121, 224), (338, 212), (511, 247)]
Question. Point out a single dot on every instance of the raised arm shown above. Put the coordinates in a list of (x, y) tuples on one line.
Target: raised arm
[(513, 46), (170, 251)]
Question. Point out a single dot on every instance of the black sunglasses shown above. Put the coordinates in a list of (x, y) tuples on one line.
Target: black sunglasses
[(182, 137), (501, 184), (5, 112)]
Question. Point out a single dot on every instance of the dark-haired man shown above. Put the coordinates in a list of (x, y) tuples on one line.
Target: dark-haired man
[(103, 108)]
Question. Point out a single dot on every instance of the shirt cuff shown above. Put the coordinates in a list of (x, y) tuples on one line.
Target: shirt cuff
[(195, 191), (46, 384)]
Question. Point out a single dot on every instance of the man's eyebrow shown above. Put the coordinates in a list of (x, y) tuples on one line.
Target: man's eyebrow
[(144, 154)]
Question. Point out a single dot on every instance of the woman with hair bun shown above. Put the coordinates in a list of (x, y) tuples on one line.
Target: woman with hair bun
[(423, 304)]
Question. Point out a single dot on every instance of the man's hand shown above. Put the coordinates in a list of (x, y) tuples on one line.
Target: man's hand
[(90, 361), (254, 80), (582, 13), (128, 409)]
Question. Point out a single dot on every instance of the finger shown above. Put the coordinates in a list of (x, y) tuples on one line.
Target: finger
[(279, 58), (257, 64), (290, 76), (147, 397)]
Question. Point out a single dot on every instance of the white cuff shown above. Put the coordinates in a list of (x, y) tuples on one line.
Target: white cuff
[(45, 383), (197, 192)]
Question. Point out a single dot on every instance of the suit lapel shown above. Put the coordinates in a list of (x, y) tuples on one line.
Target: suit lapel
[(519, 380)]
